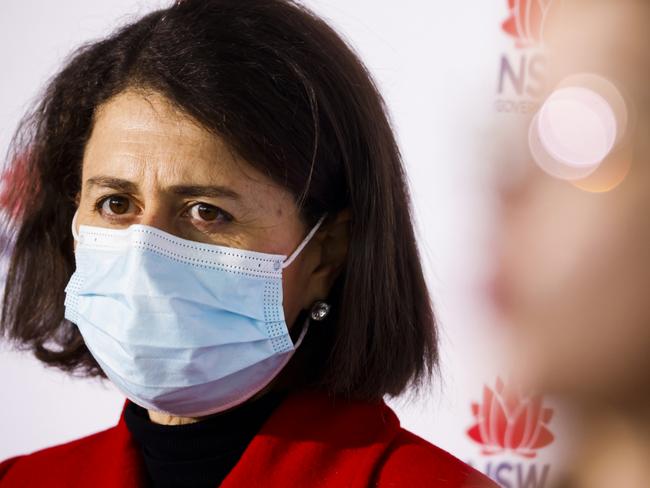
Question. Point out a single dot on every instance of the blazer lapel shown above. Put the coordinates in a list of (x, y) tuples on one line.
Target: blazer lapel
[(314, 440)]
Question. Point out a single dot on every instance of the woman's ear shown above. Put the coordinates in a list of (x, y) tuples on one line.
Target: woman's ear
[(333, 239)]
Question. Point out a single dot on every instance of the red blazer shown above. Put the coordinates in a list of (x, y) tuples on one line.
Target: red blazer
[(310, 441)]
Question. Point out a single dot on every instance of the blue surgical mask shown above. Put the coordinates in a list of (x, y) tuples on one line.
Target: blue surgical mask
[(179, 326)]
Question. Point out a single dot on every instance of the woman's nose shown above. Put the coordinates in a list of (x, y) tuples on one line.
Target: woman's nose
[(161, 218)]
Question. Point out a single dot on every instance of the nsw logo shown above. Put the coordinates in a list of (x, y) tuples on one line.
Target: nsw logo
[(522, 70), (526, 21), (507, 421)]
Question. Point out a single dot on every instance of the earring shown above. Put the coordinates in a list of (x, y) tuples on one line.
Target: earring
[(319, 310)]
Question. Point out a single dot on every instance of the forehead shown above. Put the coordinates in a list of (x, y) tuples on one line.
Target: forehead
[(139, 127), (139, 134)]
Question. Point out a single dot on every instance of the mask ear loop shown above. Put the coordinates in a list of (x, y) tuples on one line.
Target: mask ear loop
[(75, 234), (304, 242), (303, 333)]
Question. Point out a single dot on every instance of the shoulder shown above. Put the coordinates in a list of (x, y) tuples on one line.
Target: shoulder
[(413, 461), (73, 463), (54, 457)]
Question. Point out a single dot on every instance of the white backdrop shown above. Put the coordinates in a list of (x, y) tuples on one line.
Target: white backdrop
[(437, 65)]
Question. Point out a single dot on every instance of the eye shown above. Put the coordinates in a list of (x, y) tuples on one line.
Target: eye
[(208, 213), (115, 205)]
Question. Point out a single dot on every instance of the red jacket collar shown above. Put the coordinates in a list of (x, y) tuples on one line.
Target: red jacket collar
[(313, 439), (338, 440)]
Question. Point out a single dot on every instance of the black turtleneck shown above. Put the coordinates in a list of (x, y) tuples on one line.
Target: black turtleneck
[(200, 454)]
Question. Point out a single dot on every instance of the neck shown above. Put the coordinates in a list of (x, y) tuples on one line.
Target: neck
[(167, 419)]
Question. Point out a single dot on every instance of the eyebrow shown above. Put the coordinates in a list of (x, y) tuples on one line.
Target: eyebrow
[(126, 186)]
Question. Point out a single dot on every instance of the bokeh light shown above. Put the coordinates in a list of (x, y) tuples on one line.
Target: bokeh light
[(577, 128)]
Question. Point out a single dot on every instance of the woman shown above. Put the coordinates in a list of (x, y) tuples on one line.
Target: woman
[(213, 215), (575, 273)]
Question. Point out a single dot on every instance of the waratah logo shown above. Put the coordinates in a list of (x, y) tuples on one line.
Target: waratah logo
[(526, 21), (508, 421)]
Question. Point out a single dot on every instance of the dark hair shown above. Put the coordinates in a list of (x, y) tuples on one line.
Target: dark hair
[(294, 100)]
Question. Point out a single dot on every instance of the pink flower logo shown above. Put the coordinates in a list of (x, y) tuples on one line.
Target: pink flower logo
[(526, 21), (507, 421), (16, 179)]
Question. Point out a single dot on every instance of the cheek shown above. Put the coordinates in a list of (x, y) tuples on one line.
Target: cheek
[(293, 287)]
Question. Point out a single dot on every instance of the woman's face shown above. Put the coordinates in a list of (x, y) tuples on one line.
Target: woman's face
[(574, 280), (145, 163)]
